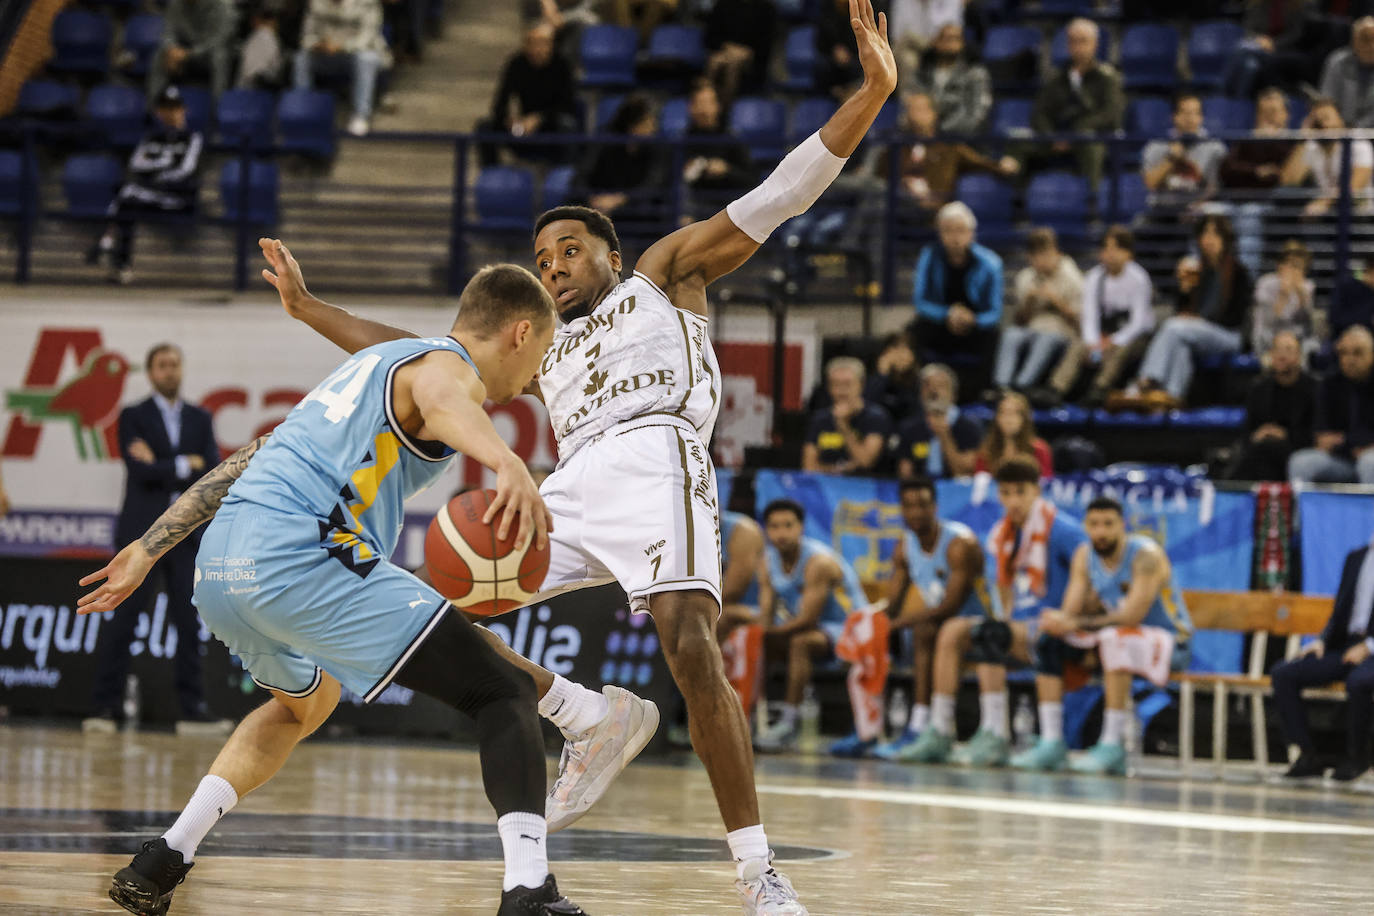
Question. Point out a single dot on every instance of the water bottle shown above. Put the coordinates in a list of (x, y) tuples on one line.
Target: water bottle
[(1023, 723), (897, 711), (809, 713), (131, 701)]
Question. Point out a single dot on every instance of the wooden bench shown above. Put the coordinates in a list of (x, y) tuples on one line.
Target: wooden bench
[(1260, 615)]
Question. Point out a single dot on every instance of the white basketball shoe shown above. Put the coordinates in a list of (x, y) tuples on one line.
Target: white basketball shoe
[(766, 892), (592, 760)]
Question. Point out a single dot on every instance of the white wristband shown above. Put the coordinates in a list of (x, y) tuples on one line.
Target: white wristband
[(790, 191)]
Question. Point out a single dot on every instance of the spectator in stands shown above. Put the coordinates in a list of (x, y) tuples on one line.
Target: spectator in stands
[(535, 95), (930, 171), (1286, 43), (850, 436), (958, 292), (1117, 317), (644, 15), (1344, 442), (1257, 165), (1049, 294), (739, 37), (1278, 414), (1210, 318), (1183, 168), (1345, 652), (1012, 435), (621, 179), (1348, 77), (1353, 302), (914, 26), (961, 89), (938, 441), (839, 68), (1084, 97), (896, 385), (260, 58), (1320, 160), (1283, 301), (197, 42), (163, 177), (345, 36), (713, 159)]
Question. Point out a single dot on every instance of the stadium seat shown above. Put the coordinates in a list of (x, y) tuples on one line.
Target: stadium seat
[(678, 46), (200, 106), (1221, 113), (809, 116), (1058, 200), (800, 59), (605, 110), (245, 114), (1058, 8), (142, 35), (1012, 56), (673, 119), (1132, 198), (990, 199), (117, 114), (1208, 418), (1149, 57), (1127, 419), (81, 42), (504, 197), (886, 121), (1062, 417), (760, 124), (305, 122), (89, 183), (558, 186), (262, 191), (1149, 118), (608, 56), (1011, 116), (1210, 46), (15, 184), (1059, 47), (1297, 111), (47, 99)]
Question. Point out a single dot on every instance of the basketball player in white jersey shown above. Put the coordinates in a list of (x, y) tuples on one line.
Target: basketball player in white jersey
[(632, 387)]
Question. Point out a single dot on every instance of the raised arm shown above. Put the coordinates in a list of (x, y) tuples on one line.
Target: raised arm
[(339, 326), (683, 263)]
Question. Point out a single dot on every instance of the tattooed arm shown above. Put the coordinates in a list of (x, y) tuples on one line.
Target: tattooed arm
[(192, 509)]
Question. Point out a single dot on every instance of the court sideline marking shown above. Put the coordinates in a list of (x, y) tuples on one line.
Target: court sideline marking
[(1150, 817)]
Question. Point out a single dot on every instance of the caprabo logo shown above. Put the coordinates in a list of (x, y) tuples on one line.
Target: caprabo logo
[(87, 401)]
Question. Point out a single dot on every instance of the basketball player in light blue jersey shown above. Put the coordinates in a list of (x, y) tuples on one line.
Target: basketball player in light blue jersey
[(293, 574), (1121, 587), (806, 590), (741, 549)]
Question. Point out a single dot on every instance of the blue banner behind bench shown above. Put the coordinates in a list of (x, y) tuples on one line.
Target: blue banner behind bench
[(1332, 525)]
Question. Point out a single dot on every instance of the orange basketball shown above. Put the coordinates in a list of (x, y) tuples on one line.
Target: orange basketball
[(472, 567)]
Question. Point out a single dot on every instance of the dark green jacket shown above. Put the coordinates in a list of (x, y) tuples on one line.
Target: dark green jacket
[(1097, 108)]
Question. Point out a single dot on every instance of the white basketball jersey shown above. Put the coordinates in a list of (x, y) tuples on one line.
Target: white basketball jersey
[(635, 355)]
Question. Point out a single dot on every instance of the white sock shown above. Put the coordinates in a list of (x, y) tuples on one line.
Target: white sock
[(523, 837), (213, 799), (920, 717), (746, 845), (572, 707), (1113, 726), (994, 713), (788, 717), (942, 714), (1051, 721)]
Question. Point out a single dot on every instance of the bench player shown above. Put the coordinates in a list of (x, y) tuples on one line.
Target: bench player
[(631, 384), (293, 575)]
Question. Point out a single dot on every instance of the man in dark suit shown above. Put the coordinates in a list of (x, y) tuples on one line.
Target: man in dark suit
[(1345, 652), (167, 445)]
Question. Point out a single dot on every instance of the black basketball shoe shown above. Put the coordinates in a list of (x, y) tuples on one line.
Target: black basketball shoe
[(543, 900), (146, 884)]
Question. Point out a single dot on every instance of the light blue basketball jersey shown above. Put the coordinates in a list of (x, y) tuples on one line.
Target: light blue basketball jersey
[(1168, 611), (929, 572), (848, 596), (728, 521), (342, 458)]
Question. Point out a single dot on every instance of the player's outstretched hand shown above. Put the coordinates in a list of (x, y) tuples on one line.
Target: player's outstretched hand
[(122, 575), (517, 494), (875, 53), (285, 274)]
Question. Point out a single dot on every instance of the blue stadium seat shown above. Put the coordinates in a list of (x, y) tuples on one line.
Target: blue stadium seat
[(81, 41), (981, 414), (990, 199), (1147, 117), (15, 185), (89, 183), (608, 56), (677, 45), (760, 124), (245, 114), (1132, 198), (1221, 113), (1067, 8), (1059, 47), (809, 116), (263, 184), (305, 122), (672, 118), (1210, 46), (1127, 419), (200, 108), (1297, 111), (799, 59), (558, 186), (1058, 200), (605, 110), (886, 121), (1011, 116), (46, 99), (1069, 415), (142, 34), (1208, 418), (1012, 55), (1149, 56), (505, 199), (117, 113)]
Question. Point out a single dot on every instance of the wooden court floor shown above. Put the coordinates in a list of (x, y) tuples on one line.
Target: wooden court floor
[(376, 828)]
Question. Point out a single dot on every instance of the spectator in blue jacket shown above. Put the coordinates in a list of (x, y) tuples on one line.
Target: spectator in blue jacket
[(958, 296)]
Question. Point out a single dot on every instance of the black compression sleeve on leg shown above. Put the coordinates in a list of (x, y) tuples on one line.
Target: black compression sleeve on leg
[(456, 666)]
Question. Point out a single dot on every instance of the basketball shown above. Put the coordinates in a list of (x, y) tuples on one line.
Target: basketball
[(472, 567)]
